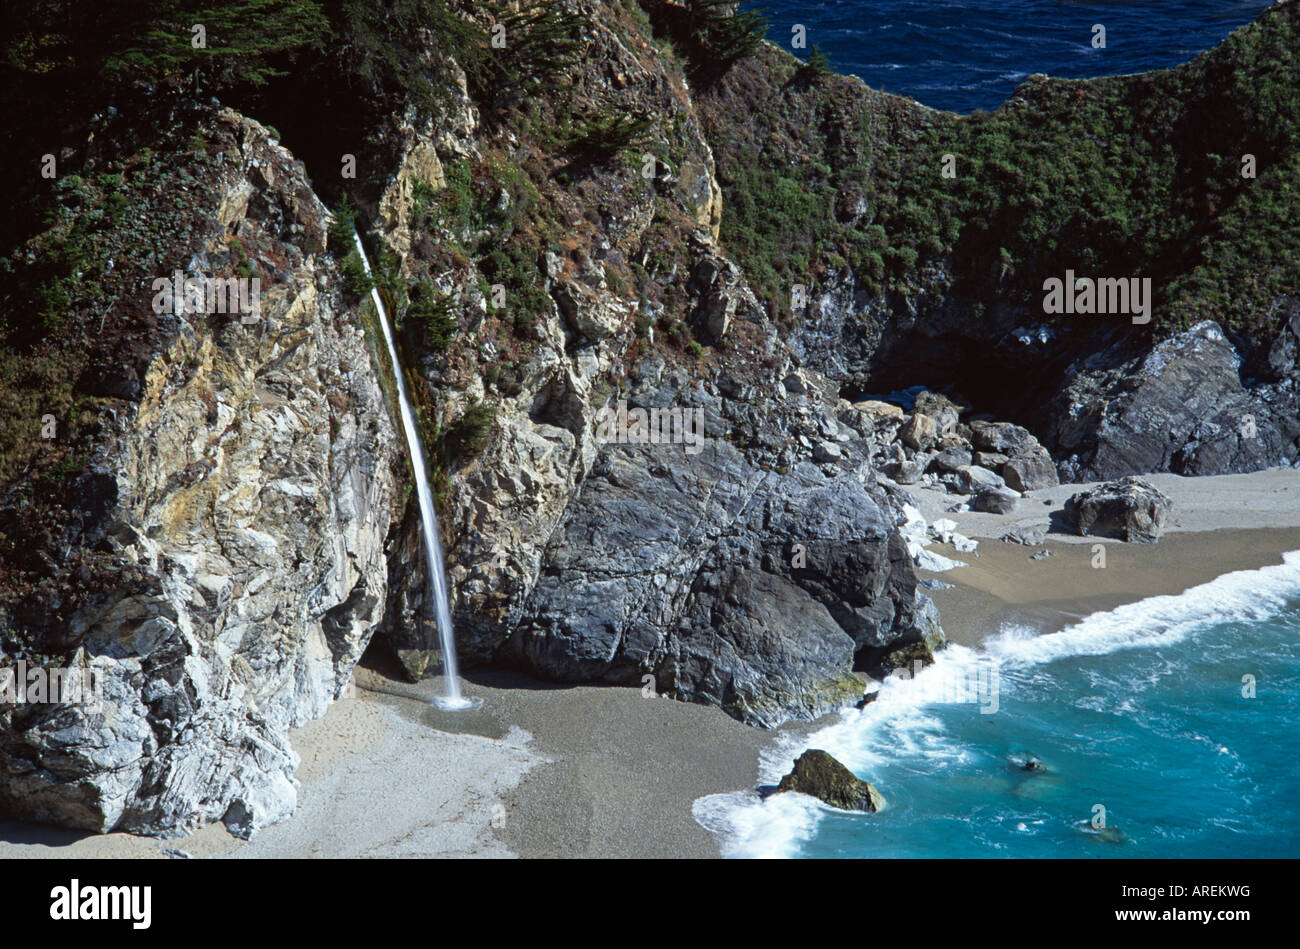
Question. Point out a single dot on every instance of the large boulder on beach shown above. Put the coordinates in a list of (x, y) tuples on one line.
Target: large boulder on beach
[(819, 774), (995, 501), (1024, 463), (1002, 437), (1131, 509), (950, 459)]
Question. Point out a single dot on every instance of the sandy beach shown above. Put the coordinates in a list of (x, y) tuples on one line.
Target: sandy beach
[(562, 771), (1218, 525), (540, 771)]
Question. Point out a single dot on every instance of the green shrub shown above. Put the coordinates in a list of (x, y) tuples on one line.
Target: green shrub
[(817, 67), (342, 227), (247, 40), (433, 310), (356, 282), (467, 436), (604, 135), (724, 35)]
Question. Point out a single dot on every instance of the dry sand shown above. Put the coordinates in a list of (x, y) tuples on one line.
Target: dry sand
[(1260, 499), (560, 771)]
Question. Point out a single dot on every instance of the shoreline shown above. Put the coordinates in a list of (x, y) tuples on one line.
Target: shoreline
[(546, 770), (1003, 585)]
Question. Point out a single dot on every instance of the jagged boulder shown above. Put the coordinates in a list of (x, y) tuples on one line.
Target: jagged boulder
[(908, 471), (950, 459), (1018, 457), (751, 590), (972, 479), (1030, 469), (595, 315), (991, 460), (820, 775), (919, 431), (879, 411), (723, 294), (1131, 509), (1002, 437)]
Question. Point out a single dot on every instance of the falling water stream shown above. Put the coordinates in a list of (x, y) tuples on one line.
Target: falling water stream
[(453, 700)]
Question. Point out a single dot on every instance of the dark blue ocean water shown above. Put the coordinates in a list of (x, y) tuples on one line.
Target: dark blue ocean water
[(962, 55), (1168, 728)]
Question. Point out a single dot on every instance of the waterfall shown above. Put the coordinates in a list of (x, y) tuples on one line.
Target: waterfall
[(453, 700)]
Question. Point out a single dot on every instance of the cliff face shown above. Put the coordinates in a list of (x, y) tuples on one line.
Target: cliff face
[(740, 572), (242, 503), (243, 476)]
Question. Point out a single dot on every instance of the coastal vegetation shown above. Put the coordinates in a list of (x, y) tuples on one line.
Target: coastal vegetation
[(1138, 175)]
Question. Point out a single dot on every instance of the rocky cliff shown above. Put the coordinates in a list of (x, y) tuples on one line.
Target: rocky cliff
[(215, 554), (761, 571), (921, 242)]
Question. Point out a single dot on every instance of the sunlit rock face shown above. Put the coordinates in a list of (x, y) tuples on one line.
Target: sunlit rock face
[(753, 569), (249, 493)]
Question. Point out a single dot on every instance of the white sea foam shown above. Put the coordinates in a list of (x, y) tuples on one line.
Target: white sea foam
[(901, 722), (749, 826), (1246, 595)]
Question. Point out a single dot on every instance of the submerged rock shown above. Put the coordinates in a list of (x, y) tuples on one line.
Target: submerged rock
[(1105, 835), (1131, 509), (1028, 536), (818, 774)]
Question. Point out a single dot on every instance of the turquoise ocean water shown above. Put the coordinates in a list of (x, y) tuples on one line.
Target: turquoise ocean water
[(1143, 716)]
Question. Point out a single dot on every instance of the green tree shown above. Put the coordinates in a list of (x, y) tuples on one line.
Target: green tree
[(723, 30), (243, 41)]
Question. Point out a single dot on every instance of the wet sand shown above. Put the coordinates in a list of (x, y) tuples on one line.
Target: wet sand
[(1004, 585)]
